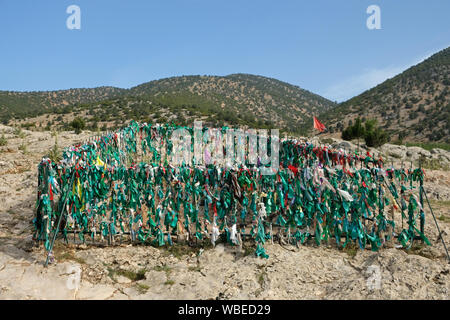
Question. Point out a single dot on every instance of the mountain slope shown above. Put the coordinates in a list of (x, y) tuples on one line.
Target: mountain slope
[(413, 106), (23, 104), (244, 96), (237, 99)]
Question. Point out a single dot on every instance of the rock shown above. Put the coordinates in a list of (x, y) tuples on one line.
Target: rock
[(393, 150), (97, 291), (119, 296), (444, 157), (346, 145), (35, 282), (425, 153), (122, 280), (132, 292), (5, 165), (439, 151), (416, 152), (154, 278)]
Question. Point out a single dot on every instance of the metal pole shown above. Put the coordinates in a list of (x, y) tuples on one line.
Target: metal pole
[(109, 234), (422, 213), (59, 221), (437, 226), (271, 233)]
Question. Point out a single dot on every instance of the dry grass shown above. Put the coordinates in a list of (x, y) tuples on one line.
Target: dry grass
[(351, 249), (132, 275), (195, 269), (63, 253), (142, 288), (418, 248)]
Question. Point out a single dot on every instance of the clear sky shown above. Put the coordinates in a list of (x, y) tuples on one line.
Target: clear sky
[(322, 46)]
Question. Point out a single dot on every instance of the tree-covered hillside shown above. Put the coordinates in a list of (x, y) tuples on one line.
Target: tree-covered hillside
[(412, 106), (238, 99)]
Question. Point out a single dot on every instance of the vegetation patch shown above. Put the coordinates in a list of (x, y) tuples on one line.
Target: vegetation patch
[(61, 253), (78, 124), (373, 135), (440, 203), (418, 248), (142, 288), (71, 256), (326, 140), (23, 148), (429, 145), (261, 277), (179, 250), (167, 270), (132, 275), (248, 250), (197, 268), (55, 153), (164, 268), (3, 141), (433, 164), (351, 249)]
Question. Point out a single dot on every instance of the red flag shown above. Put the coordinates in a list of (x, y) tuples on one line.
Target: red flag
[(318, 125), (293, 169)]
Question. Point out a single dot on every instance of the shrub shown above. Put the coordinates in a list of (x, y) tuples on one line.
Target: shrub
[(353, 131), (78, 124), (54, 153), (23, 148), (374, 136)]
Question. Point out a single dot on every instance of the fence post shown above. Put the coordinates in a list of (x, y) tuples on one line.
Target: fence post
[(422, 213), (59, 220)]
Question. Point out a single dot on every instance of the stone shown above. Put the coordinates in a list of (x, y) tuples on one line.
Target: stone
[(416, 152), (97, 291), (119, 296), (345, 145), (393, 150), (123, 280)]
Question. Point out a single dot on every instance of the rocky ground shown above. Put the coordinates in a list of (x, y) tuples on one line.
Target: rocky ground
[(181, 272)]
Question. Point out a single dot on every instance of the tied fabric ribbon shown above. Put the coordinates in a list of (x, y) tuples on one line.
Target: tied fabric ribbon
[(317, 192)]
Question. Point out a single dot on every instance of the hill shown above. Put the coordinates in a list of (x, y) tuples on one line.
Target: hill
[(237, 99), (20, 105), (412, 106)]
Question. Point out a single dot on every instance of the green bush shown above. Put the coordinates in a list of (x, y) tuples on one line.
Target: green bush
[(354, 131), (373, 135), (78, 124), (54, 153)]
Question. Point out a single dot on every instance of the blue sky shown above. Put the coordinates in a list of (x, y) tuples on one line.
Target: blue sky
[(322, 46)]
